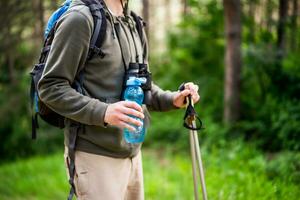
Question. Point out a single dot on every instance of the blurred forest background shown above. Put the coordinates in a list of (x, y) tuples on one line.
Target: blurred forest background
[(245, 56)]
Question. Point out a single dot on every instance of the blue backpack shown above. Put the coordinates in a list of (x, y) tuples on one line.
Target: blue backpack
[(56, 15)]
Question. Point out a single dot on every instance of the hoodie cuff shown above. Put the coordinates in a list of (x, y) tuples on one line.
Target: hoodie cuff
[(169, 98), (98, 113)]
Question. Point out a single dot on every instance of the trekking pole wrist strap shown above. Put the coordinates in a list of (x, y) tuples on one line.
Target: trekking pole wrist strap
[(190, 114)]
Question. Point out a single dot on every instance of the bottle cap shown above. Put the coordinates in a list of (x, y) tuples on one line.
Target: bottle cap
[(134, 81)]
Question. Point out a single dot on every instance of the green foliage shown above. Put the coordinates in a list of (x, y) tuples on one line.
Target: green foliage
[(195, 53), (18, 47), (285, 166), (270, 99), (39, 178), (15, 126), (270, 86), (235, 171)]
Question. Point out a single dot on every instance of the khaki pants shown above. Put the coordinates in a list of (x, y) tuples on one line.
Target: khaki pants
[(106, 178)]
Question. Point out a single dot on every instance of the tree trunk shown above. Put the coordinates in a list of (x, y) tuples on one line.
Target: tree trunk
[(38, 7), (53, 5), (41, 16), (168, 15), (184, 7), (281, 29), (232, 12), (251, 15), (269, 11), (146, 15), (294, 26)]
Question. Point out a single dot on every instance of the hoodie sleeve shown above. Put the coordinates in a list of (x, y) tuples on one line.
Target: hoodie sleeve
[(67, 55), (162, 100)]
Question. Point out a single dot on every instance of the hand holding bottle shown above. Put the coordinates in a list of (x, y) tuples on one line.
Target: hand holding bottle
[(117, 114)]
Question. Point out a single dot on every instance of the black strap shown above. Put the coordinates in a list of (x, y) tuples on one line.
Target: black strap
[(46, 49), (100, 25), (139, 27), (33, 126), (135, 47), (78, 83), (190, 114), (74, 128), (32, 91), (71, 193), (34, 122), (47, 44), (117, 28)]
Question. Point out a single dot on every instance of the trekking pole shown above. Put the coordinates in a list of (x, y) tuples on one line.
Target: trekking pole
[(190, 123), (194, 167)]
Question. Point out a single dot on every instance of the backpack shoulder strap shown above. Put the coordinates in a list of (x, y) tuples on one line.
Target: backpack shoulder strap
[(100, 25), (140, 24)]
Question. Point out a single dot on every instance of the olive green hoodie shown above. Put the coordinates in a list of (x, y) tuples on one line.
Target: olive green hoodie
[(103, 78)]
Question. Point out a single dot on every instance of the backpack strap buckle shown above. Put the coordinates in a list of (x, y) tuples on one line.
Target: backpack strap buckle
[(94, 50)]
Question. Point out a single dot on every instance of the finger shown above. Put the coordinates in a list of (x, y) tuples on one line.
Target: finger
[(194, 91), (193, 87), (129, 111), (196, 98), (196, 88), (124, 125), (188, 85), (133, 105), (130, 120), (185, 93)]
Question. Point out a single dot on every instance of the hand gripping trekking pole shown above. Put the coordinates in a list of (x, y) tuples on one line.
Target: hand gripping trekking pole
[(190, 123)]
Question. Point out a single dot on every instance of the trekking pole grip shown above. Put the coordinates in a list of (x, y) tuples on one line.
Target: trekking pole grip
[(188, 99), (190, 114)]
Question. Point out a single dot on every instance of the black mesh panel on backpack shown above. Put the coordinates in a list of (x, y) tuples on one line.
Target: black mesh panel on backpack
[(37, 106)]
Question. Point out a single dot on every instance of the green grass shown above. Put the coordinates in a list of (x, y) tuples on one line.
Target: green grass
[(235, 172)]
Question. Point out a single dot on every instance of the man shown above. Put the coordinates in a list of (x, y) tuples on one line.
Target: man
[(106, 167)]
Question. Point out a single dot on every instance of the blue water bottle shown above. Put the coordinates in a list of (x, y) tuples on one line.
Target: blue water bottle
[(134, 92)]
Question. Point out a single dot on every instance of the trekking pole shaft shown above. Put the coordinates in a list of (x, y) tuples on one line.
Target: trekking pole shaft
[(194, 165), (196, 149), (200, 165)]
